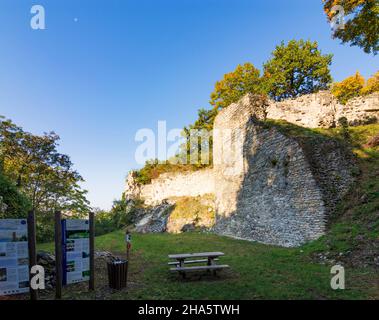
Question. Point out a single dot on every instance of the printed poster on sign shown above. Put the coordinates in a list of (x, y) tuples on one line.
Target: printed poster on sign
[(75, 235), (14, 256)]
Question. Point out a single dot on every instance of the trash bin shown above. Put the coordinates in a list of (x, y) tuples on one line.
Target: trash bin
[(117, 274)]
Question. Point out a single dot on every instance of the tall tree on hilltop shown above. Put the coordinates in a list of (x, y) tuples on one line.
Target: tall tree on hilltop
[(362, 27), (295, 69)]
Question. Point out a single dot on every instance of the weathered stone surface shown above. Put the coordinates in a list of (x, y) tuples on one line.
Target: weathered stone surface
[(154, 219), (282, 188), (169, 185), (323, 110), (268, 186), (47, 260), (132, 188), (195, 213), (360, 110), (167, 217)]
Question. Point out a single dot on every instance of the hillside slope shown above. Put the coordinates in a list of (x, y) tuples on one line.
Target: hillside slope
[(353, 229)]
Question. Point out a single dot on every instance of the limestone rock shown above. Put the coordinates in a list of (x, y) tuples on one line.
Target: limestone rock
[(154, 219), (132, 188)]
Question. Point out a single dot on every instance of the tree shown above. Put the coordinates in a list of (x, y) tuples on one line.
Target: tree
[(13, 204), (362, 28), (295, 69), (44, 175), (372, 85), (234, 85), (349, 88)]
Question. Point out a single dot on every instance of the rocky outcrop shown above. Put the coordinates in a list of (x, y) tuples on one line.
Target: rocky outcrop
[(176, 215), (132, 188), (154, 219), (192, 213)]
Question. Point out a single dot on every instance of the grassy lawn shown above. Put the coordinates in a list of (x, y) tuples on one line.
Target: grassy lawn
[(257, 271)]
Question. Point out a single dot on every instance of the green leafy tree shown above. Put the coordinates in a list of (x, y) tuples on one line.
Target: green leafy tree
[(234, 85), (44, 175), (362, 26), (295, 69), (349, 88)]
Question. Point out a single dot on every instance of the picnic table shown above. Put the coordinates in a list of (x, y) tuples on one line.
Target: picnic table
[(209, 258)]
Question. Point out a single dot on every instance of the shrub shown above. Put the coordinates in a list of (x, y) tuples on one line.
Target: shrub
[(372, 85), (349, 88), (344, 125), (105, 223), (13, 204), (153, 169)]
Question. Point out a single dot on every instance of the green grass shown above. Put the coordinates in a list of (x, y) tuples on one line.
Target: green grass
[(257, 271)]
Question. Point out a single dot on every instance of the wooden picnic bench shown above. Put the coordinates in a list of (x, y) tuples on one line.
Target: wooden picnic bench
[(209, 258)]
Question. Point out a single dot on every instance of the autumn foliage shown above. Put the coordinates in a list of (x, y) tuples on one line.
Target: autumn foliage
[(355, 86)]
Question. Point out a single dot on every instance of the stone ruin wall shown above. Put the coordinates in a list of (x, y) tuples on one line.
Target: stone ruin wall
[(171, 185), (323, 110), (281, 192)]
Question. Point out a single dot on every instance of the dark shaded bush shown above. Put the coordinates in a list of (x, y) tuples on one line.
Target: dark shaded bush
[(13, 204)]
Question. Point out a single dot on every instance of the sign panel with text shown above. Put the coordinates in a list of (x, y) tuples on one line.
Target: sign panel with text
[(14, 256), (76, 267)]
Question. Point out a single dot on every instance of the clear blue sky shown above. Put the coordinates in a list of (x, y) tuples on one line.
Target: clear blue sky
[(125, 64)]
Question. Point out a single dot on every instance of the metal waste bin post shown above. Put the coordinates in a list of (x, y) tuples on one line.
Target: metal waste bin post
[(117, 274)]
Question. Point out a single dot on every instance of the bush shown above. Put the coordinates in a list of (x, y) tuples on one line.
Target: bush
[(13, 204), (372, 85), (45, 225), (349, 88), (104, 222), (153, 169)]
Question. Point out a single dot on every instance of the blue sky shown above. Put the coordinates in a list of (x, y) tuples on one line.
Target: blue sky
[(104, 69)]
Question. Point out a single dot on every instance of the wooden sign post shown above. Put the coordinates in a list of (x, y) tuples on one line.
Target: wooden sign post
[(32, 248), (58, 255), (128, 240), (92, 251)]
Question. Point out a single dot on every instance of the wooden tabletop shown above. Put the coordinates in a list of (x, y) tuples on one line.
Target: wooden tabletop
[(194, 255)]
